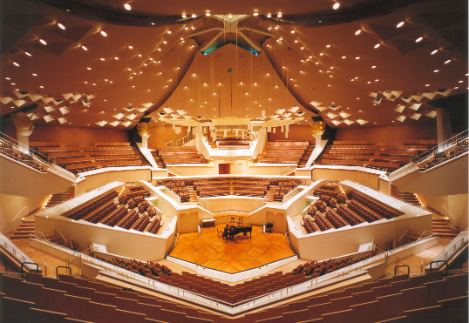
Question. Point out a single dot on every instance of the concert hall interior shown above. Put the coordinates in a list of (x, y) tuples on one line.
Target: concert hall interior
[(234, 162)]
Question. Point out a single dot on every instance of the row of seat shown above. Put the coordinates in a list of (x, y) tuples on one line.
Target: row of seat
[(244, 186), (7, 149), (174, 155), (379, 207), (84, 209), (283, 152), (224, 292), (84, 158), (401, 299), (361, 153), (439, 157)]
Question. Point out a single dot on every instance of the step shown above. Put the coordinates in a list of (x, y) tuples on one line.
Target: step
[(22, 236), (25, 229)]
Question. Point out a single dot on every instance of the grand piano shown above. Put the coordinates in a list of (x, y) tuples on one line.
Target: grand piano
[(233, 230)]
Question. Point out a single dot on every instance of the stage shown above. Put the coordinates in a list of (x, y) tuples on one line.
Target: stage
[(210, 250)]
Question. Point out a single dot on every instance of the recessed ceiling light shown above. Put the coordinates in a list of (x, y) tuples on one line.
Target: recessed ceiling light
[(279, 15), (127, 6), (427, 85), (460, 81), (418, 40), (400, 24), (374, 66), (28, 53), (448, 61), (34, 74), (207, 13), (16, 64), (194, 15), (116, 58), (255, 14), (88, 68), (358, 32), (184, 16), (131, 47), (336, 6), (269, 15), (84, 48), (292, 32), (61, 26), (103, 33), (41, 86), (434, 52), (102, 59), (344, 57), (377, 46), (358, 57), (436, 71), (42, 41)]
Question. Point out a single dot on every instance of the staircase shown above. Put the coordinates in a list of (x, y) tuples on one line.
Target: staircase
[(408, 197), (441, 228), (25, 230), (157, 159), (269, 196), (305, 157), (59, 197), (192, 194)]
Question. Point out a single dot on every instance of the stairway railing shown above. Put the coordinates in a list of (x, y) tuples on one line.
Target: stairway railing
[(181, 141), (25, 149), (441, 147)]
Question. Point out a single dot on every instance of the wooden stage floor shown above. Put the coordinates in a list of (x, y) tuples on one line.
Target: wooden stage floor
[(212, 251)]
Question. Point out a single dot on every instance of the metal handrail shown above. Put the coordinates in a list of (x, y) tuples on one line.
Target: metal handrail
[(26, 150), (27, 213), (69, 270), (28, 263), (438, 261), (440, 147), (181, 141)]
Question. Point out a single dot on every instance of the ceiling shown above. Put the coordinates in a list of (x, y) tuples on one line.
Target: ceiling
[(95, 64)]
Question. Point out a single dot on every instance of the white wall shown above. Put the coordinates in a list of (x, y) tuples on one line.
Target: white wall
[(333, 243), (111, 174), (21, 180), (455, 204), (11, 205)]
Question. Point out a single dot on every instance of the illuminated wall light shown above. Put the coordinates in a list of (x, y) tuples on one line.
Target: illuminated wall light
[(434, 52), (127, 6), (184, 16), (358, 32), (194, 15), (336, 5), (418, 40), (255, 14), (400, 24), (42, 41), (61, 26), (378, 45), (103, 33), (207, 14), (279, 15), (269, 15)]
